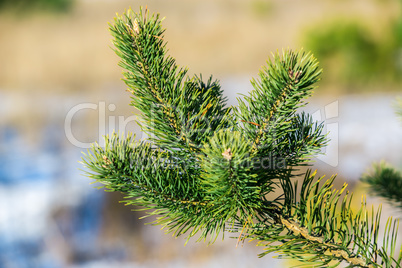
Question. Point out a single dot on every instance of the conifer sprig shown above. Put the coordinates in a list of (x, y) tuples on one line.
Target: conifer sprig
[(208, 169), (385, 181), (177, 111)]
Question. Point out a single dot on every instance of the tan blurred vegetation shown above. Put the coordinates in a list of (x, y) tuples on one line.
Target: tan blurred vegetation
[(71, 52)]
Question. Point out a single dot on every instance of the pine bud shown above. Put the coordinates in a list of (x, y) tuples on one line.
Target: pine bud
[(227, 154), (136, 27)]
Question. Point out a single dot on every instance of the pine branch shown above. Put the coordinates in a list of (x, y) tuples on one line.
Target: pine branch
[(282, 86), (171, 103), (208, 170), (153, 179), (325, 231), (385, 181)]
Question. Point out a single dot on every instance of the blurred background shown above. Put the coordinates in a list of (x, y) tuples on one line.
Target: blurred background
[(60, 90)]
